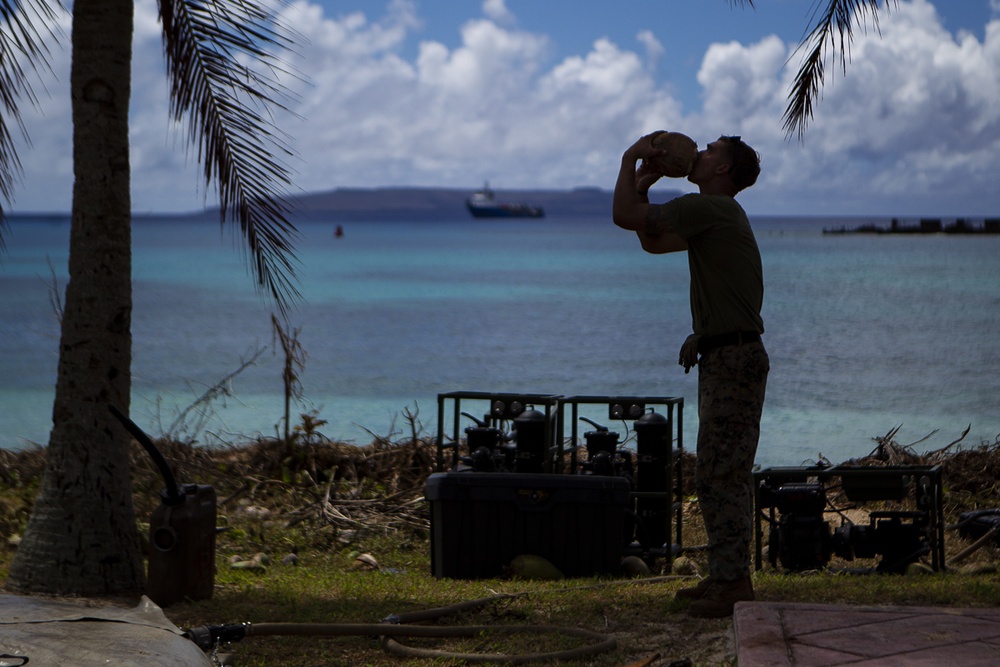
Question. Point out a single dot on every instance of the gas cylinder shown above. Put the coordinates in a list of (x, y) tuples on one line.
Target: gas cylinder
[(182, 546), (653, 453), (530, 431)]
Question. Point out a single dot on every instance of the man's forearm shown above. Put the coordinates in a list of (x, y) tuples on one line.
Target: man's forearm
[(626, 198)]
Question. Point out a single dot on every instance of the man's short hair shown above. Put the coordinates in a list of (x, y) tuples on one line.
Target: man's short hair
[(745, 166)]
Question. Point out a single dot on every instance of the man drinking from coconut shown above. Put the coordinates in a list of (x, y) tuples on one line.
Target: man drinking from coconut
[(726, 295)]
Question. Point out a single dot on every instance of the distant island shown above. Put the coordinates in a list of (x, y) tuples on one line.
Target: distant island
[(414, 203), (924, 226)]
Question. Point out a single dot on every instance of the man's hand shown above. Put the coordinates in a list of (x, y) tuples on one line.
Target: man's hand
[(646, 176), (643, 149), (689, 353)]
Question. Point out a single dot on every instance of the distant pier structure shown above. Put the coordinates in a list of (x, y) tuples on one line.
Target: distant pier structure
[(923, 226)]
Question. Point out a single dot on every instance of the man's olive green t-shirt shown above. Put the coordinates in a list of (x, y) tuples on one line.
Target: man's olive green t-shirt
[(727, 280)]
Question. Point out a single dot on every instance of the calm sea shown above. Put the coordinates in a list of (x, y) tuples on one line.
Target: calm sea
[(865, 333)]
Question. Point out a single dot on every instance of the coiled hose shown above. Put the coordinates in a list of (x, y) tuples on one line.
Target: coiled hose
[(397, 625)]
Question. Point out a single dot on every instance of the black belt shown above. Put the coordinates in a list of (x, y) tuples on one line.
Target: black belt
[(708, 343)]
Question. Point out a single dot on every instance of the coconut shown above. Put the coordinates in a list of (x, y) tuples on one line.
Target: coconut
[(681, 152), (530, 566), (633, 566)]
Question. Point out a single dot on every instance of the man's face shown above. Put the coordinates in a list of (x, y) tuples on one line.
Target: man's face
[(714, 161)]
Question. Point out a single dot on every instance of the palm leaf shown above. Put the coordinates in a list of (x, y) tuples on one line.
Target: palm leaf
[(834, 29), (25, 26), (223, 72)]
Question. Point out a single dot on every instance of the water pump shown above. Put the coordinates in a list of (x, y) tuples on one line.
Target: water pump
[(604, 457), (801, 539), (487, 450)]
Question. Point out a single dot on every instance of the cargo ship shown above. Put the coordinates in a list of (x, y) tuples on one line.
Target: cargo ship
[(483, 204)]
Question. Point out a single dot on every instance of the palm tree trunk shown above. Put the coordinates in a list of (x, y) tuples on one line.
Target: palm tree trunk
[(82, 538)]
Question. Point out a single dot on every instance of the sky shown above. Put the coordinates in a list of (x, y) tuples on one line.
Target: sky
[(547, 94)]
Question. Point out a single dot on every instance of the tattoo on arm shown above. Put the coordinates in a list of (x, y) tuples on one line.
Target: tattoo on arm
[(656, 222)]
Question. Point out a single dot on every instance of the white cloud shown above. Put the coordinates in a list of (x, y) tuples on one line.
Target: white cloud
[(914, 122), (497, 11), (741, 81), (654, 49)]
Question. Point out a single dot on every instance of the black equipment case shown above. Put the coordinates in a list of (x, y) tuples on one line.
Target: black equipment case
[(481, 521)]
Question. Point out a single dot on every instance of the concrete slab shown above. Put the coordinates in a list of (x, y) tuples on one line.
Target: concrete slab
[(775, 634)]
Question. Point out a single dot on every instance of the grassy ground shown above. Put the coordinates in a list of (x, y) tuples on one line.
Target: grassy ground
[(355, 520)]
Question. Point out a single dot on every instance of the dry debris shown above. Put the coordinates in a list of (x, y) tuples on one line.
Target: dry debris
[(353, 488)]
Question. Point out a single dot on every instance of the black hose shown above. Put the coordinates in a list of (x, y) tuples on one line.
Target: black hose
[(173, 494)]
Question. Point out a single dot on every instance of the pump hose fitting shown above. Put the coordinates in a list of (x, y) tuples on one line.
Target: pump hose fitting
[(206, 637)]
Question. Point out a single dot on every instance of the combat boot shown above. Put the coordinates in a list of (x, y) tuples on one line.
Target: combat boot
[(720, 597), (696, 592)]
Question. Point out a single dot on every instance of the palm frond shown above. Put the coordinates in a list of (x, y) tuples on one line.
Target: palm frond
[(834, 30), (25, 27), (223, 72)]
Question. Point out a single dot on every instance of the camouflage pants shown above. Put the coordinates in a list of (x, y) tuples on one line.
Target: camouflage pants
[(731, 386)]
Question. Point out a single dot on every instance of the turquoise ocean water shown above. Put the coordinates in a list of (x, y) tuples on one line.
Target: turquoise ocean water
[(865, 332)]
